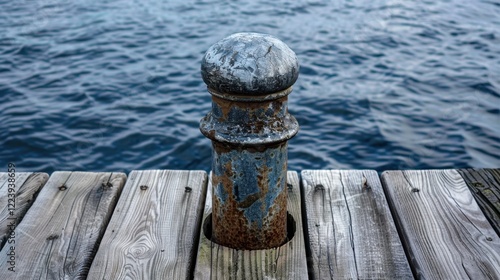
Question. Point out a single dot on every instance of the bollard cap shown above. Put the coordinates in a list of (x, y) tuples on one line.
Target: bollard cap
[(249, 64)]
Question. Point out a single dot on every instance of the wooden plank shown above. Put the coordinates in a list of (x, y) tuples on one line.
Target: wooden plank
[(285, 262), (445, 233), (154, 230), (485, 187), (350, 229), (59, 234), (13, 205)]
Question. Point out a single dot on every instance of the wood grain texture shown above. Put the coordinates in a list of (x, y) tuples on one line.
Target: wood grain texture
[(445, 233), (58, 236), (350, 230), (485, 187), (27, 186), (285, 262), (155, 227)]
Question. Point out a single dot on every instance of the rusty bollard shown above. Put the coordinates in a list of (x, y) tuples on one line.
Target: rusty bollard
[(249, 76)]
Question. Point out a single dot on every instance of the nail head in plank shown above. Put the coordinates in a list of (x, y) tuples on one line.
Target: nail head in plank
[(285, 262), (59, 234), (15, 204), (485, 187), (154, 230), (445, 233), (350, 228)]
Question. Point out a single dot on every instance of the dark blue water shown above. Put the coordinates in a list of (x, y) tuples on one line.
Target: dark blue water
[(115, 85)]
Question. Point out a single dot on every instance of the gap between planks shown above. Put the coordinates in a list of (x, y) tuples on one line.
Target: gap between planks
[(59, 234), (350, 230), (154, 230), (16, 204), (442, 228), (485, 187)]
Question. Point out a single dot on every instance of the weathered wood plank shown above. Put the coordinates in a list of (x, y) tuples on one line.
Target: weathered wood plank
[(445, 233), (155, 227), (285, 262), (350, 230), (27, 185), (59, 234), (485, 187)]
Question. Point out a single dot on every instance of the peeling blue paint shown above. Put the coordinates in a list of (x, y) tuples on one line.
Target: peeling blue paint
[(246, 167)]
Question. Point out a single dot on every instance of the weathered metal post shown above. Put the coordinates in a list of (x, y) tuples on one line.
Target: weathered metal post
[(249, 76)]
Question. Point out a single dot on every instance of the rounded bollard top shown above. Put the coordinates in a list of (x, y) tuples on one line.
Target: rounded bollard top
[(249, 64)]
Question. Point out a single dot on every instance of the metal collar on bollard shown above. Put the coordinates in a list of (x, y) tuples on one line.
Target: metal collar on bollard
[(249, 76)]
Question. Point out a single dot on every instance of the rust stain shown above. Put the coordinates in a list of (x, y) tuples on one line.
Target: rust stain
[(252, 107), (211, 134), (221, 148), (277, 217), (230, 227), (263, 182), (249, 200), (224, 105)]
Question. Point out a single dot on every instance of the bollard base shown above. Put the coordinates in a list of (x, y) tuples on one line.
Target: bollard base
[(291, 228), (249, 195)]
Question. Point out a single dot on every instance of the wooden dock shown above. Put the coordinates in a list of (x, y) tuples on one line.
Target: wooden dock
[(343, 224)]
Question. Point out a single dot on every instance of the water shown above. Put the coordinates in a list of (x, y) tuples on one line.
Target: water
[(115, 85)]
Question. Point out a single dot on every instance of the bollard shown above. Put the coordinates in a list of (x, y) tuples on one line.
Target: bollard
[(249, 76)]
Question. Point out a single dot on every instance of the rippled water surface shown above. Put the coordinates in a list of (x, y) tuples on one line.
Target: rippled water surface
[(115, 85)]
